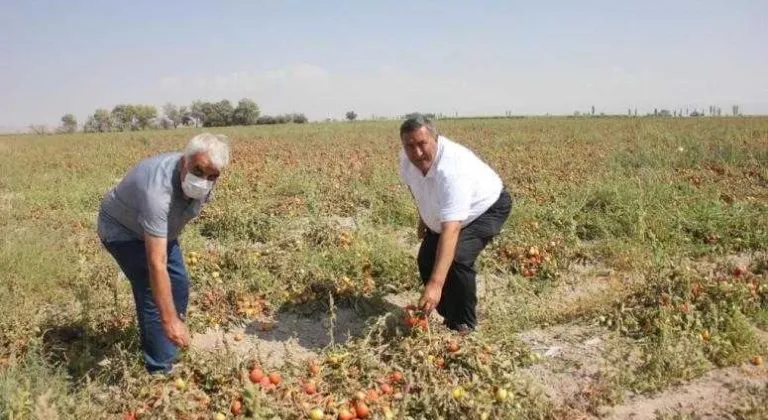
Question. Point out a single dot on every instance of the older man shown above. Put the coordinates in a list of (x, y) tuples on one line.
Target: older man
[(462, 205), (139, 223)]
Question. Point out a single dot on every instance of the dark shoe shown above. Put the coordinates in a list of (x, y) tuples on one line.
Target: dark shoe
[(462, 329)]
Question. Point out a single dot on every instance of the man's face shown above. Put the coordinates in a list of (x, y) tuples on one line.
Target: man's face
[(200, 166), (420, 147)]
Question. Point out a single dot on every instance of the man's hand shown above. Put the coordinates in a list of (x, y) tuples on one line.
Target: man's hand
[(177, 332), (431, 296), (446, 250)]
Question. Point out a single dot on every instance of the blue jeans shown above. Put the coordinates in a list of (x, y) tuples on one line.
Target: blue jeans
[(159, 352)]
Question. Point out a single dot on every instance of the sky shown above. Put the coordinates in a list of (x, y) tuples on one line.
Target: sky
[(384, 58)]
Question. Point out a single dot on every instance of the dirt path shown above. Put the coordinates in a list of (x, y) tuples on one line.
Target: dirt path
[(712, 396)]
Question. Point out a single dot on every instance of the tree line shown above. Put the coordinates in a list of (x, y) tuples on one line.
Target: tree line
[(131, 117)]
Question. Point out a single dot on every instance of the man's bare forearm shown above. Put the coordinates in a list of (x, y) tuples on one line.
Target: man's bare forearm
[(446, 251), (162, 294)]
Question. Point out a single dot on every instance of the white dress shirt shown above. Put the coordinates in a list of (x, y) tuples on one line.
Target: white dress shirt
[(459, 186)]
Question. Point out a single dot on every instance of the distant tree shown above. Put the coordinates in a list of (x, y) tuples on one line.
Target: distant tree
[(196, 113), (246, 113), (39, 129), (172, 113), (429, 115), (655, 112), (266, 119), (166, 123), (89, 126), (300, 119), (217, 114), (283, 119), (735, 110), (124, 117), (144, 115), (68, 123), (351, 115), (593, 110), (102, 121)]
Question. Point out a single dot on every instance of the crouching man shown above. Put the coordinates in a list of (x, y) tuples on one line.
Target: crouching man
[(139, 223), (462, 205)]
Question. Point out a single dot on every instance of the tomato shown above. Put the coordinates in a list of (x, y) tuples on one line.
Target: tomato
[(255, 375), (310, 388), (274, 378), (237, 408), (344, 414)]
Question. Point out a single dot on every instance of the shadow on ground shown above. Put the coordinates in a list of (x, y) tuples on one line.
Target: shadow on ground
[(303, 330), (314, 326), (89, 351)]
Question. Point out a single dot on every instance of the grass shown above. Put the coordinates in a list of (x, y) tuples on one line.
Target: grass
[(311, 211)]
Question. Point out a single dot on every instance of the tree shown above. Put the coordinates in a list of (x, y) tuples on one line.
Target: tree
[(593, 110), (217, 114), (351, 115), (196, 113), (123, 116), (89, 126), (172, 113), (38, 129), (300, 119), (102, 121), (246, 113), (266, 119), (166, 123), (68, 123), (144, 115)]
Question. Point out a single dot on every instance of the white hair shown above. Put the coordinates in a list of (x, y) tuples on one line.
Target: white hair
[(215, 145)]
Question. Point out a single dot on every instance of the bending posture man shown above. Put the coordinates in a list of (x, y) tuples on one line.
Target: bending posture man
[(139, 223), (462, 205)]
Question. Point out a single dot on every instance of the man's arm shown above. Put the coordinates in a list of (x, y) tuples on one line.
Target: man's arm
[(446, 250), (160, 283)]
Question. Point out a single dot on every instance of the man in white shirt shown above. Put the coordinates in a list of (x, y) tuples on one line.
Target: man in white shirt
[(462, 205)]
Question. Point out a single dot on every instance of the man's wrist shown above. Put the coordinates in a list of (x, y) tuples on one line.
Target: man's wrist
[(436, 282), (168, 319)]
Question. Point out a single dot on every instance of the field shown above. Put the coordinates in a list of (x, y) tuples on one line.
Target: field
[(631, 277)]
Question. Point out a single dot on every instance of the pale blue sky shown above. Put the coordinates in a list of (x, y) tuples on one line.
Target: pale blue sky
[(383, 58)]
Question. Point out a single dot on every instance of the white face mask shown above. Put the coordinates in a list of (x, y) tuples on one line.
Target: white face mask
[(196, 187)]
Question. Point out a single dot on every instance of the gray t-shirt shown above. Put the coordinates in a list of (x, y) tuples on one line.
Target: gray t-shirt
[(148, 199)]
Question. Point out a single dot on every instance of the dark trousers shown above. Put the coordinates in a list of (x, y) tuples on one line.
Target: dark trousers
[(459, 298), (159, 352)]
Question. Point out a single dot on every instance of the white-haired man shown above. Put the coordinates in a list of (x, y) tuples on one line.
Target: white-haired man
[(462, 205), (139, 223)]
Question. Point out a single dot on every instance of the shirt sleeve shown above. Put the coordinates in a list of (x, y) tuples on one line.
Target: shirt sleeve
[(153, 213), (455, 197)]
